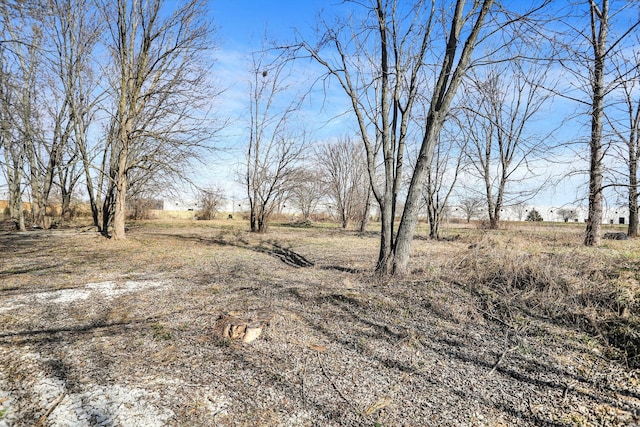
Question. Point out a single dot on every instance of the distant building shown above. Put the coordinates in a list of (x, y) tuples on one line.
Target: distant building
[(179, 205), (611, 215)]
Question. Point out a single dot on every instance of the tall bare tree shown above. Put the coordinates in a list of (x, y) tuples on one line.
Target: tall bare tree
[(504, 103), (380, 65), (25, 32), (73, 29), (382, 88), (599, 19), (13, 151), (306, 190), (275, 146), (586, 56), (159, 92), (624, 118)]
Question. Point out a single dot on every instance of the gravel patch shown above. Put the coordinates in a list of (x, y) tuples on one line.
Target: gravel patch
[(107, 290)]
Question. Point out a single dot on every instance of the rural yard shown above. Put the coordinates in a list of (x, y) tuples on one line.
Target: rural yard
[(522, 326)]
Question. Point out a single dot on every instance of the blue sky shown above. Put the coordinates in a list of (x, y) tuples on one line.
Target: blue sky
[(241, 26), (241, 23)]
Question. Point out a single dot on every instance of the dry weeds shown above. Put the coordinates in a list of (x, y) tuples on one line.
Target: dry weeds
[(521, 326)]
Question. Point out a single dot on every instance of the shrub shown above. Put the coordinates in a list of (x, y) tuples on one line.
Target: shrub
[(534, 215)]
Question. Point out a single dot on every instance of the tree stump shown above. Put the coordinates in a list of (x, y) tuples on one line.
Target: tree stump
[(231, 326)]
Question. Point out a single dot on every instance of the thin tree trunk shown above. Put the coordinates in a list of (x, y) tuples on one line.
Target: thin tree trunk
[(633, 198), (364, 221), (119, 212), (385, 256), (594, 219), (633, 169)]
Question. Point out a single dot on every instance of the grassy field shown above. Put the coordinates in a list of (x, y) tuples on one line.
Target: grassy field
[(519, 326)]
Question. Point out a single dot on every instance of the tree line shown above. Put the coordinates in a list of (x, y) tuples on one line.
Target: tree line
[(112, 95), (445, 97)]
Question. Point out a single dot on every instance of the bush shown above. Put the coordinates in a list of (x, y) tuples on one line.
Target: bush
[(210, 199), (534, 215)]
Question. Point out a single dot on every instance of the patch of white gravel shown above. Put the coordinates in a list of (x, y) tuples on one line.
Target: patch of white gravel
[(99, 405), (108, 406), (109, 289)]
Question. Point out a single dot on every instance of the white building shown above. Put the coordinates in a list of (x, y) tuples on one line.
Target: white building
[(611, 215)]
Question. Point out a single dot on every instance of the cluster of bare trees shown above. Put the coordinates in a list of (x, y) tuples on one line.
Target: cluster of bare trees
[(111, 94), (344, 172), (481, 107), (399, 56), (333, 173), (388, 62), (282, 166), (444, 95)]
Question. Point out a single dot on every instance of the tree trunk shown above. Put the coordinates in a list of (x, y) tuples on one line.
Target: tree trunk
[(633, 172), (434, 226), (119, 211), (252, 220), (37, 197), (633, 199), (594, 220), (65, 206), (344, 219), (16, 209), (13, 165), (494, 220), (364, 221), (262, 223), (409, 219), (385, 256)]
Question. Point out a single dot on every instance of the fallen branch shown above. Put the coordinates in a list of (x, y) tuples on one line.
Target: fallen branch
[(504, 353), (52, 407), (335, 387)]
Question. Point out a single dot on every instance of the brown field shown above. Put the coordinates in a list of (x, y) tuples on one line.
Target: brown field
[(521, 326)]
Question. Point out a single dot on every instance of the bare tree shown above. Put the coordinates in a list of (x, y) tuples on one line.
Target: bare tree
[(505, 102), (520, 208), (586, 54), (344, 168), (159, 93), (471, 206), (209, 200), (567, 214), (73, 29), (625, 122), (599, 18), (274, 148), (13, 152), (25, 32), (306, 190), (382, 89), (447, 163)]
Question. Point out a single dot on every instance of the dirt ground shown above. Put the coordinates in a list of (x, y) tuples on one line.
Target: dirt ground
[(108, 333)]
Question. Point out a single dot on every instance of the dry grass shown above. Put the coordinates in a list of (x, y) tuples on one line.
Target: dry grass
[(521, 326)]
